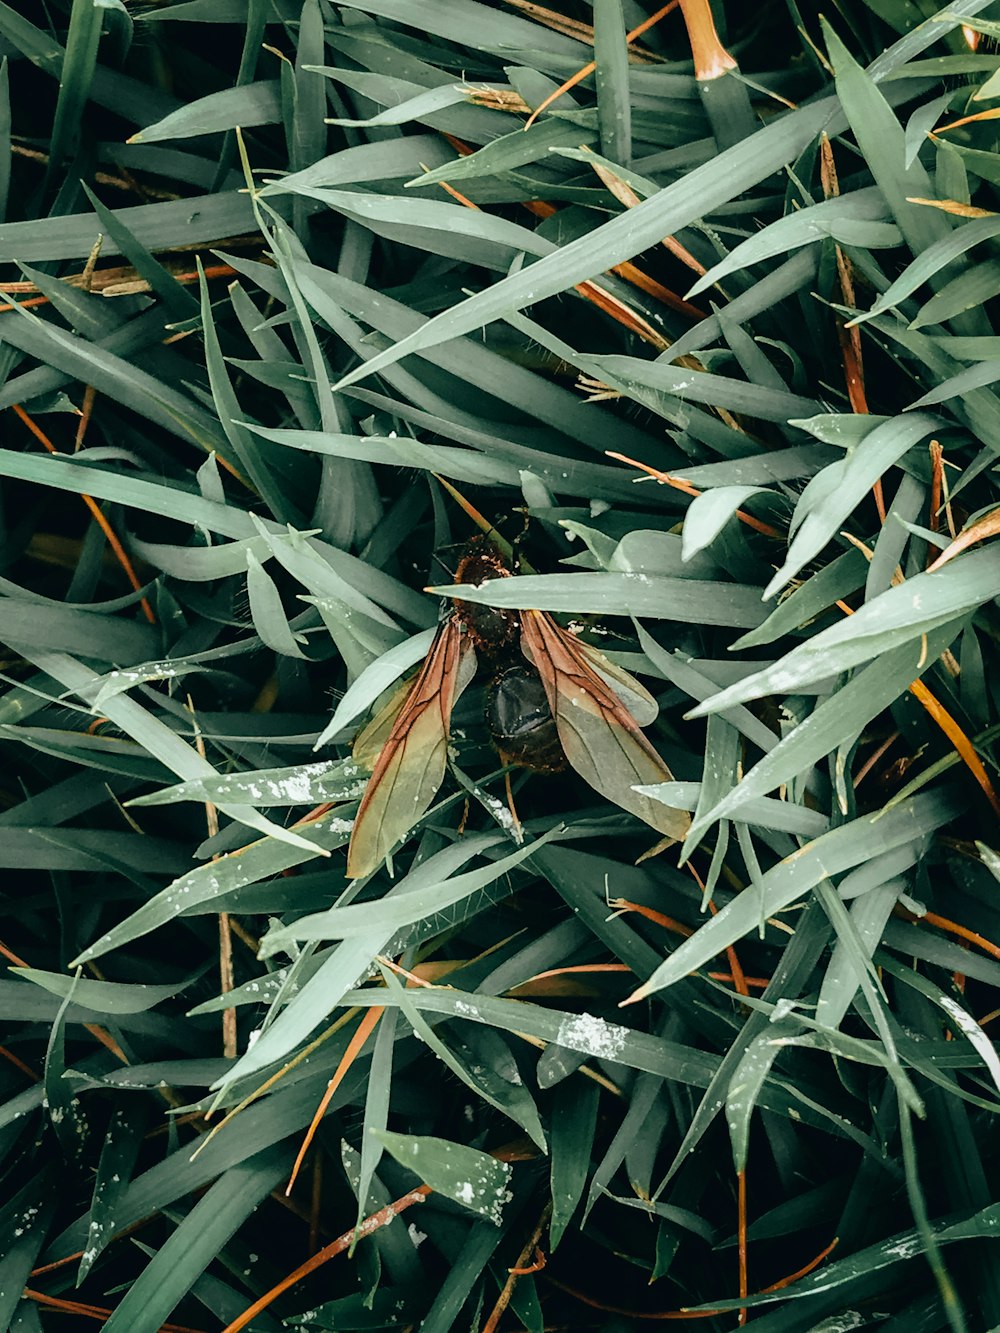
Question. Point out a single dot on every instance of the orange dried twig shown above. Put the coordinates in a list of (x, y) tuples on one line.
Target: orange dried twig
[(991, 113), (109, 533), (963, 746), (739, 977), (651, 914), (849, 338), (566, 971), (519, 1269), (354, 1047), (987, 526), (371, 1224), (958, 738), (804, 1271), (86, 1311), (962, 932), (18, 1063), (711, 59), (589, 68), (937, 485), (603, 299), (755, 983), (624, 1310), (624, 193), (679, 484), (873, 759)]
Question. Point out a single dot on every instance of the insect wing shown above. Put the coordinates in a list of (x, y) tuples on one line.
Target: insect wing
[(600, 737), (369, 742), (410, 766), (636, 698)]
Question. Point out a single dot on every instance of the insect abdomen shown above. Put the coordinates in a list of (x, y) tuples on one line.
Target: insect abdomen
[(520, 721)]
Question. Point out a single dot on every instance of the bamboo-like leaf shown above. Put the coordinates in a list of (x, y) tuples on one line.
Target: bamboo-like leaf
[(511, 268)]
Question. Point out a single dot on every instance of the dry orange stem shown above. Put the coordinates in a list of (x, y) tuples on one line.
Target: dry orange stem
[(963, 746), (589, 68), (623, 1310), (651, 914), (757, 983), (519, 1269), (963, 932), (365, 1028), (801, 1272), (937, 481), (112, 281), (711, 59), (991, 113), (626, 270), (338, 1246), (61, 1263), (679, 484), (624, 193), (109, 533), (849, 338), (576, 967), (604, 300), (18, 1063), (634, 275), (958, 738), (983, 528), (651, 287), (11, 956), (870, 762), (695, 1314), (98, 1312), (739, 978), (24, 305)]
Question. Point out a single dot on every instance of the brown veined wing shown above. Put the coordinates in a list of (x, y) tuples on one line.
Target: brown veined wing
[(411, 759), (601, 738), (637, 699)]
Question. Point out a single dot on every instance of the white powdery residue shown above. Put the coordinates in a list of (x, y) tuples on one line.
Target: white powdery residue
[(465, 1009), (296, 787), (907, 1248), (465, 1193), (335, 825), (499, 811), (503, 1196), (594, 1036), (417, 1237)]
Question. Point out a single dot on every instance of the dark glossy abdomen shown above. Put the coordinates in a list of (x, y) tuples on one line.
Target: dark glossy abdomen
[(520, 723)]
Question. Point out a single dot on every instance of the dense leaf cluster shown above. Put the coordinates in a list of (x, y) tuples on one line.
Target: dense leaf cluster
[(294, 290)]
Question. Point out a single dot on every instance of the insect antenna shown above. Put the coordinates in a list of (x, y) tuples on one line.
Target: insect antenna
[(444, 565)]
